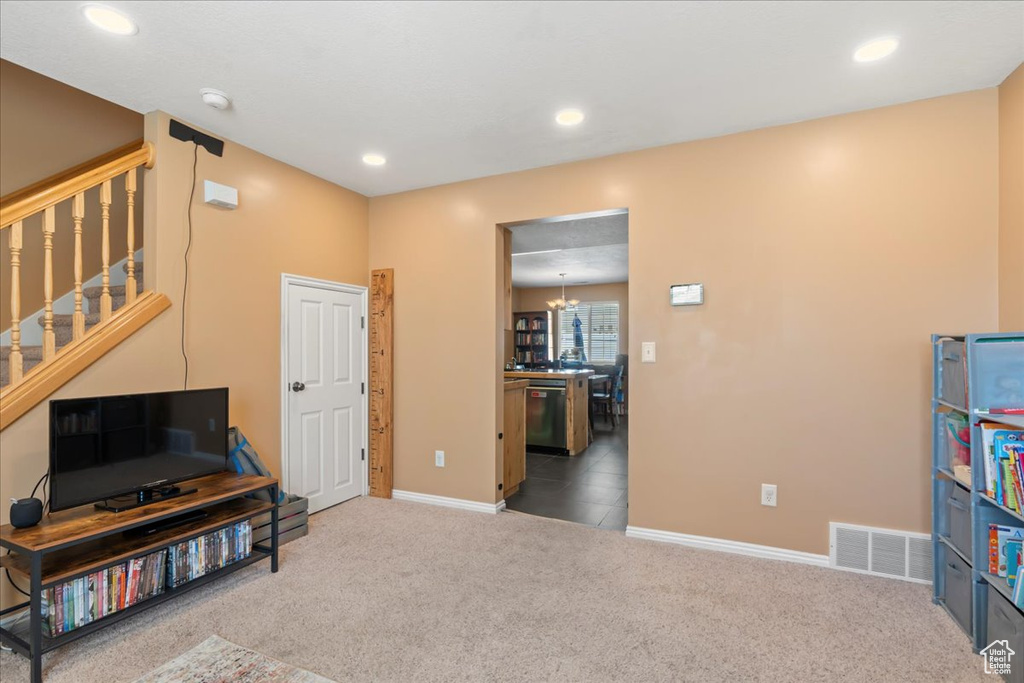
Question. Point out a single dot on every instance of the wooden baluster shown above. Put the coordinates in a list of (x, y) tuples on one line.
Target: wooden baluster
[(49, 341), (129, 283), (105, 300), (78, 215), (14, 362)]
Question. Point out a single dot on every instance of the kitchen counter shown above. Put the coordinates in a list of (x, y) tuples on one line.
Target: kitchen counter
[(541, 423), (547, 374)]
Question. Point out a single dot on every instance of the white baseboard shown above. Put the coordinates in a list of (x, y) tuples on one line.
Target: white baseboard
[(726, 546), (443, 501)]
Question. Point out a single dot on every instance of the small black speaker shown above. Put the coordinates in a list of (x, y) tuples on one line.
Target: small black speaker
[(26, 512)]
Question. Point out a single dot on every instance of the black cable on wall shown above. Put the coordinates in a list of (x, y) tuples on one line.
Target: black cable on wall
[(188, 248)]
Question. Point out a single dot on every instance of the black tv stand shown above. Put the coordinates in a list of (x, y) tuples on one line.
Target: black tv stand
[(143, 497), (70, 544)]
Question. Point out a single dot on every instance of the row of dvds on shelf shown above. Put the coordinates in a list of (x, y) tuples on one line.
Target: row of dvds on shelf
[(75, 603)]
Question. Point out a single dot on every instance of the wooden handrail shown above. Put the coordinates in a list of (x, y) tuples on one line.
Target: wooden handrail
[(66, 184), (46, 378)]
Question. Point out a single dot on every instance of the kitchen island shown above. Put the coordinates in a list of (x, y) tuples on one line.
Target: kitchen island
[(514, 435), (556, 409)]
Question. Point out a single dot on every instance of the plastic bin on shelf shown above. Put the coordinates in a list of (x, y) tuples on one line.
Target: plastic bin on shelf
[(953, 372), (957, 596), (958, 511), (1005, 622), (999, 373)]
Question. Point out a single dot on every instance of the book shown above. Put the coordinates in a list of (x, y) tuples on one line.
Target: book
[(1018, 594), (988, 430), (1013, 549), (1005, 535)]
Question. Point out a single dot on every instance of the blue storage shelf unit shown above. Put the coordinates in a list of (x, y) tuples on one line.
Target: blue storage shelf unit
[(972, 374)]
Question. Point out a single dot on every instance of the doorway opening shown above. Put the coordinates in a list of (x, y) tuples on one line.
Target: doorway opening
[(566, 345)]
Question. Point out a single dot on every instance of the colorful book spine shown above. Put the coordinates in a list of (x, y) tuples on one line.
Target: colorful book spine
[(1013, 549), (1008, 487)]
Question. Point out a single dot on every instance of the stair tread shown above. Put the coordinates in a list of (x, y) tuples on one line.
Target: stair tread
[(97, 291), (27, 352), (67, 319)]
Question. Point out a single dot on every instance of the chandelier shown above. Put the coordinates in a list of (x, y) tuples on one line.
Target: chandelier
[(562, 303)]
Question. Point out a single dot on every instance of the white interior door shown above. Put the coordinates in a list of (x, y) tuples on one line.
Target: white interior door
[(325, 403)]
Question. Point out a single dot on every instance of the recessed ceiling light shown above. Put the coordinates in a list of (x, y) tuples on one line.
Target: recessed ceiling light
[(872, 51), (110, 20), (374, 159), (569, 117)]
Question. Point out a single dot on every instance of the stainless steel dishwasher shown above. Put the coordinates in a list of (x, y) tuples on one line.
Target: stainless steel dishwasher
[(545, 413)]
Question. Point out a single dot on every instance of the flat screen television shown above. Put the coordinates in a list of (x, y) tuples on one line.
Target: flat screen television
[(126, 450)]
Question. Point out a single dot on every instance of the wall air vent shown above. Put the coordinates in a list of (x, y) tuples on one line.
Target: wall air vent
[(881, 552)]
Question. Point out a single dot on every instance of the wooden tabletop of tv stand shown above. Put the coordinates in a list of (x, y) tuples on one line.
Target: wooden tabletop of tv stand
[(67, 526)]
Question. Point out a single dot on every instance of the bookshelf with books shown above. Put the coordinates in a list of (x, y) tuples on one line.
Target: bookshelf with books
[(532, 337), (978, 483), (89, 568)]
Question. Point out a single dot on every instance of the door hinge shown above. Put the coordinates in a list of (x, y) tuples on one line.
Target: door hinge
[(362, 387), (363, 453), (362, 322)]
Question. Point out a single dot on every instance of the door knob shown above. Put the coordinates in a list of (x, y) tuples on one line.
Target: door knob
[(298, 386)]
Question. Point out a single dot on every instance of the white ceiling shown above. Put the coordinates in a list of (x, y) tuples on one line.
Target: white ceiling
[(591, 249), (456, 90)]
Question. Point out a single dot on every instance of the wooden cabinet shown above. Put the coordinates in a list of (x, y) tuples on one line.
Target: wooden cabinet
[(514, 436)]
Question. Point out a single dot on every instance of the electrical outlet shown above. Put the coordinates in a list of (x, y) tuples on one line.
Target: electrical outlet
[(438, 458), (769, 495)]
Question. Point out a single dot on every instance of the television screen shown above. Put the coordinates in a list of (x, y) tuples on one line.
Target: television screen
[(109, 446)]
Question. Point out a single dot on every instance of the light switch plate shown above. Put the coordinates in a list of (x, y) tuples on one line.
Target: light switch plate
[(438, 458), (647, 353)]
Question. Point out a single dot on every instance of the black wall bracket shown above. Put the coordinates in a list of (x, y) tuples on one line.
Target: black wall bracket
[(182, 132)]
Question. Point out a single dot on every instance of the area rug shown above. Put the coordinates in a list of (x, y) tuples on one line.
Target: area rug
[(216, 660)]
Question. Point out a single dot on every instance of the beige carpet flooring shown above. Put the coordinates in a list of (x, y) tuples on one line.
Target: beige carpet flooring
[(393, 591)]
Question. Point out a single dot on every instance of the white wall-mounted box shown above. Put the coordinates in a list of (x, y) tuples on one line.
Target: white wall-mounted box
[(220, 195)]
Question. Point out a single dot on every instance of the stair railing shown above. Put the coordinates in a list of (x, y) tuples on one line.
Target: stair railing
[(43, 197)]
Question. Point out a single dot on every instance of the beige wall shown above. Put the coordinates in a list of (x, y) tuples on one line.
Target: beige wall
[(1011, 202), (287, 221), (46, 127), (536, 298), (822, 246)]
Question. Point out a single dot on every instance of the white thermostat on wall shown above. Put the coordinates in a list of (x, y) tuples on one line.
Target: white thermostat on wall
[(220, 195), (687, 295)]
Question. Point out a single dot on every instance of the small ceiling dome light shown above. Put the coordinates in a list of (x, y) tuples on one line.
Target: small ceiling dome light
[(374, 159), (110, 20), (569, 117), (215, 98), (872, 51)]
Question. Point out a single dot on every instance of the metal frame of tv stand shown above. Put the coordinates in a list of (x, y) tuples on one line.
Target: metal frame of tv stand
[(35, 647)]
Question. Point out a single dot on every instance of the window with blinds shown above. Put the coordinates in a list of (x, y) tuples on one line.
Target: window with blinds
[(600, 327)]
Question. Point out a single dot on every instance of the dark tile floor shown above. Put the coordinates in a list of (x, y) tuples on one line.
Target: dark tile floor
[(589, 488)]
